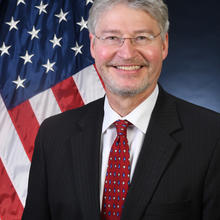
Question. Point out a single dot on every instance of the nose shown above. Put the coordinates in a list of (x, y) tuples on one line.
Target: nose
[(127, 50)]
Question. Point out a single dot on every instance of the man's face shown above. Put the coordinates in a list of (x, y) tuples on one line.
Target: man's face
[(128, 69)]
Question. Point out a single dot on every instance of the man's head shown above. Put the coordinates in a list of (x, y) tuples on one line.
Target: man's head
[(129, 41)]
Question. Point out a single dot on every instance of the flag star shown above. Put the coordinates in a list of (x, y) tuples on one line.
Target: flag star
[(20, 1), (4, 49), (56, 41), (42, 7), (83, 24), (13, 24), (27, 57), (49, 66), (77, 49), (34, 33), (89, 1), (62, 16), (19, 82)]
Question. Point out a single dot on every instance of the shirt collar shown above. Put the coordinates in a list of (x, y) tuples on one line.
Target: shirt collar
[(139, 117)]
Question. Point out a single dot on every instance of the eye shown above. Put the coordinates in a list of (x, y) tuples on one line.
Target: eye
[(142, 38), (112, 38)]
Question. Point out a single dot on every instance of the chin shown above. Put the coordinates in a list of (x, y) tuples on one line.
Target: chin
[(126, 91)]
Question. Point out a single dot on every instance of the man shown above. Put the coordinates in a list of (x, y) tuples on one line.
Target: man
[(171, 167)]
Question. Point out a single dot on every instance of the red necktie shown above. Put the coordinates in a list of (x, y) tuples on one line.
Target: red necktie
[(118, 174)]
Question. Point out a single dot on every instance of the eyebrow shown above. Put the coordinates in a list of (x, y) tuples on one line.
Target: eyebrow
[(110, 32), (142, 31)]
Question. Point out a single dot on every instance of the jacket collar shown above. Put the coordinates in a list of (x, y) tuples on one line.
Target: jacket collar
[(86, 158), (157, 150)]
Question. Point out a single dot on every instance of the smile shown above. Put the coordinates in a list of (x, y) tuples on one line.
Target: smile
[(128, 68)]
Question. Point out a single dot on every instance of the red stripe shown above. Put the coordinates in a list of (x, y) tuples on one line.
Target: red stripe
[(10, 205), (26, 125), (67, 95)]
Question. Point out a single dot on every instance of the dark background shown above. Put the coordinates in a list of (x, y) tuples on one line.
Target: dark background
[(192, 68)]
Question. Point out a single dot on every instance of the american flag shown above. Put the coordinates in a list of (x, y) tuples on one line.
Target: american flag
[(45, 69)]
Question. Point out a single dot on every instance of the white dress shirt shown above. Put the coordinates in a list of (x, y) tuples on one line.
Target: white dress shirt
[(139, 118)]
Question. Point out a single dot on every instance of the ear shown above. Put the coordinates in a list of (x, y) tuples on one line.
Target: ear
[(165, 45), (92, 44)]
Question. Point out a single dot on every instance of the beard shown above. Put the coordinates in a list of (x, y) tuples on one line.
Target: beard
[(114, 87)]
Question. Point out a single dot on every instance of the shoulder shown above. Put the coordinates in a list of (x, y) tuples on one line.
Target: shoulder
[(63, 123), (195, 113), (197, 118), (195, 128)]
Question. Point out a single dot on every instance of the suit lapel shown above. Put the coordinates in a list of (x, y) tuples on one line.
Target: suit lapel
[(158, 149), (86, 160)]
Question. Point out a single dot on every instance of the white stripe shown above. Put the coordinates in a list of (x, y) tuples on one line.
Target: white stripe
[(44, 105), (13, 155), (89, 84)]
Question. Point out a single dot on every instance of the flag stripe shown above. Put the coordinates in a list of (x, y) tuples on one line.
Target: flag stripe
[(12, 154), (44, 105), (26, 125), (67, 94), (88, 84), (10, 205)]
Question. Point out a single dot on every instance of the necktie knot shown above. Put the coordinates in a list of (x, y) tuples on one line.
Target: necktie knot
[(121, 127)]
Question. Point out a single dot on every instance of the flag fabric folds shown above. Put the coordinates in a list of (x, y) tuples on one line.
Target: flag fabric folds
[(45, 69)]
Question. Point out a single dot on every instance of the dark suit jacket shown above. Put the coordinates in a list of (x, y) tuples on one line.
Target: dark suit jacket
[(177, 176)]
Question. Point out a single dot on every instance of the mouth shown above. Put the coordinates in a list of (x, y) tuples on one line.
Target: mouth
[(128, 68)]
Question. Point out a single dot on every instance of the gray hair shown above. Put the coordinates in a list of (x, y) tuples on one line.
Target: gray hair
[(156, 8)]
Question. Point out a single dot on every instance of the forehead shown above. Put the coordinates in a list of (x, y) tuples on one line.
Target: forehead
[(123, 18)]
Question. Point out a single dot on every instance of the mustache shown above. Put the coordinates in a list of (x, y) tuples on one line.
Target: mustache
[(127, 62)]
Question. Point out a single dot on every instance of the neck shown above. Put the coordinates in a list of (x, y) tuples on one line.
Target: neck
[(123, 105)]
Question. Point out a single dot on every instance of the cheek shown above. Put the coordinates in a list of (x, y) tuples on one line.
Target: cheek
[(152, 55), (102, 55)]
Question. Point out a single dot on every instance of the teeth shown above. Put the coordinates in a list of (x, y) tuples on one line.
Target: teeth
[(128, 67)]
